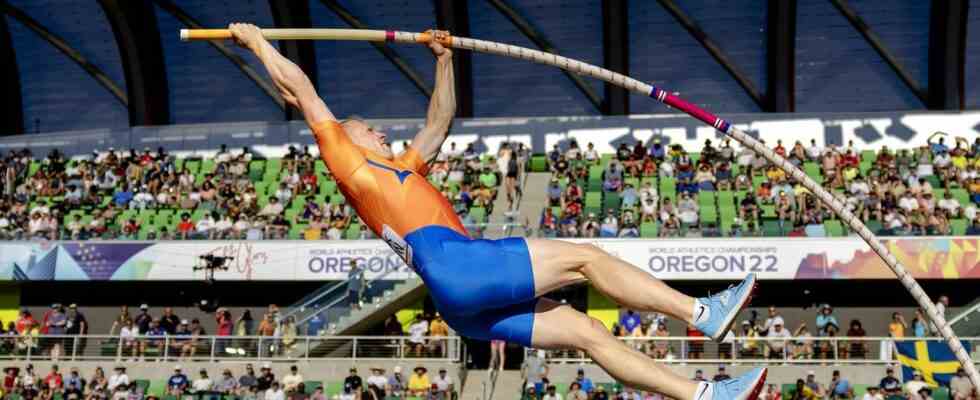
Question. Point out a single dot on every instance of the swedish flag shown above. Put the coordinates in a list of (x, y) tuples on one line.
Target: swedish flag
[(932, 358)]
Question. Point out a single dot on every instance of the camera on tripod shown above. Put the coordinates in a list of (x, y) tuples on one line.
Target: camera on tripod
[(212, 263)]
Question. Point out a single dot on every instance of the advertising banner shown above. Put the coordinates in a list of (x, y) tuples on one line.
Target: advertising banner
[(669, 259)]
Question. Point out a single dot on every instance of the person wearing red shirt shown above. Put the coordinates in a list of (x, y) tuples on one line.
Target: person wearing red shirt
[(26, 322), (694, 347), (225, 326), (185, 226), (309, 180), (780, 149), (54, 379), (850, 159)]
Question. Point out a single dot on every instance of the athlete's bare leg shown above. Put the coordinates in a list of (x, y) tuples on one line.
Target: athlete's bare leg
[(558, 326), (557, 264)]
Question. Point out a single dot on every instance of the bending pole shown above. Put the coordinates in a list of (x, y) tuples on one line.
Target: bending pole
[(661, 95)]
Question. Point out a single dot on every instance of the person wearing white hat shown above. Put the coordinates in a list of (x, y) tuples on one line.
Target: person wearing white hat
[(396, 383), (177, 383)]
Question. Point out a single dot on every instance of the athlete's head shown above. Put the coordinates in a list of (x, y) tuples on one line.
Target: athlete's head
[(362, 134)]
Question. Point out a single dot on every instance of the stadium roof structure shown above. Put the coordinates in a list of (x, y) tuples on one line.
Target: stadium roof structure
[(929, 73)]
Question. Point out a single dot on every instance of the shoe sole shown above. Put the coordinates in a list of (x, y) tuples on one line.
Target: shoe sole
[(730, 319), (757, 387)]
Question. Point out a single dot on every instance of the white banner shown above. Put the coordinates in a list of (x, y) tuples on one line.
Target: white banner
[(670, 259)]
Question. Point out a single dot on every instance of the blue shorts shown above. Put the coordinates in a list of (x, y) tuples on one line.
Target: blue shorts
[(483, 288)]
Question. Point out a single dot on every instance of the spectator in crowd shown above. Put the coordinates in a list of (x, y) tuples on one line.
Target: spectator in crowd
[(960, 387), (699, 376), (776, 348), (226, 384), (118, 378), (247, 382), (873, 393), (802, 346), (419, 383), (803, 392), (812, 384), (417, 331), (535, 369), (292, 380), (912, 387), (771, 393), (354, 381), (575, 392), (442, 386), (177, 383), (583, 382), (551, 393), (840, 388), (722, 375), (919, 324), (275, 392), (54, 379), (889, 384), (826, 318), (378, 382), (397, 384), (203, 384)]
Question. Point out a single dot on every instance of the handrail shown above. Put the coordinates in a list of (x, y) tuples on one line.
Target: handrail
[(215, 348), (677, 349)]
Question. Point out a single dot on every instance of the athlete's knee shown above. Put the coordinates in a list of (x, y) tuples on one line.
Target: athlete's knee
[(593, 334), (589, 253)]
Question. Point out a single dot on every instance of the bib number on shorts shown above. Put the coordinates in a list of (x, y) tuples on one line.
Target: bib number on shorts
[(398, 245)]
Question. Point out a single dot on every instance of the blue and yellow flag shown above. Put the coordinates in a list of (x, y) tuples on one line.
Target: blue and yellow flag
[(932, 358)]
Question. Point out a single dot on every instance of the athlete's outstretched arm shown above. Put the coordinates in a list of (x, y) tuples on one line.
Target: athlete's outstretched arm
[(293, 84), (442, 106)]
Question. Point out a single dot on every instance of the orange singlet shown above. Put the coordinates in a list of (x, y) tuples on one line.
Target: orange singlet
[(391, 196)]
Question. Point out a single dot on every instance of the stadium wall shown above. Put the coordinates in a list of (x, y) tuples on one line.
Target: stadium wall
[(271, 139), (702, 259)]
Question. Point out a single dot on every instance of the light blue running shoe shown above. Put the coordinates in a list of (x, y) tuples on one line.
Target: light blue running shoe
[(714, 315), (744, 387)]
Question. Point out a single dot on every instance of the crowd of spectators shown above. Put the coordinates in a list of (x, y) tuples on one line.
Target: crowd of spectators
[(165, 336), (28, 384), (904, 192), (772, 338), (234, 194)]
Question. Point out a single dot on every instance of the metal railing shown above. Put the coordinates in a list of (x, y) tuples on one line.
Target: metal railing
[(762, 350), (218, 348)]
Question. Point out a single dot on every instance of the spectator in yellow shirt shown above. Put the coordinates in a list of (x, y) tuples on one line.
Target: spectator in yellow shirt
[(418, 383), (438, 327), (802, 392)]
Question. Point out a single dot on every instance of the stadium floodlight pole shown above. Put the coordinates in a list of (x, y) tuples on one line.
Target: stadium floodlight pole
[(659, 94)]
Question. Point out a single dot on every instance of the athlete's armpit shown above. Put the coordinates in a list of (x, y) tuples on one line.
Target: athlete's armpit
[(337, 150)]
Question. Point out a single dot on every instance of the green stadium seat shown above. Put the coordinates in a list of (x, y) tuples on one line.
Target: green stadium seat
[(708, 215), (706, 199), (207, 165), (328, 187), (768, 211), (337, 199), (874, 225), (771, 228), (961, 195), (726, 198), (479, 214), (194, 166), (833, 228), (868, 156), (143, 384), (611, 201), (310, 386), (333, 389), (539, 163), (648, 230), (353, 232), (933, 180), (273, 165), (958, 226)]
